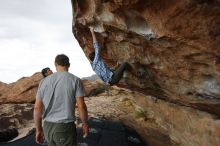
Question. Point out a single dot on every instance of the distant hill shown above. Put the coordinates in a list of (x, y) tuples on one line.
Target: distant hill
[(91, 78)]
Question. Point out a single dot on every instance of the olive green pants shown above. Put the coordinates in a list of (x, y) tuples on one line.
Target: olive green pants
[(60, 134)]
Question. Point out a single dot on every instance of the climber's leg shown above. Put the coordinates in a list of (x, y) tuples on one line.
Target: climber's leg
[(118, 73)]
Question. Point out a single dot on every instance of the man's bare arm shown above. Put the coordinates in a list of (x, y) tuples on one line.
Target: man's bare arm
[(83, 114), (82, 109), (38, 111)]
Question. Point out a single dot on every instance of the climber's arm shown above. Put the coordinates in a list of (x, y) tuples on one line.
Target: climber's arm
[(96, 46), (93, 34), (75, 6)]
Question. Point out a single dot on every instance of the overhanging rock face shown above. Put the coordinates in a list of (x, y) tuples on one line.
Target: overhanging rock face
[(172, 46)]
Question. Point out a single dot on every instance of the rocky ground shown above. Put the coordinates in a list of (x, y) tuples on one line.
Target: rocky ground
[(118, 105), (114, 104), (158, 122), (19, 116), (104, 106)]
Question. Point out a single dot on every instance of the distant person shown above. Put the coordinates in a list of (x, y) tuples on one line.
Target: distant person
[(46, 72), (101, 69), (55, 105)]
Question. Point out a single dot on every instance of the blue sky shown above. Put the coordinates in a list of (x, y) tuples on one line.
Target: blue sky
[(32, 33)]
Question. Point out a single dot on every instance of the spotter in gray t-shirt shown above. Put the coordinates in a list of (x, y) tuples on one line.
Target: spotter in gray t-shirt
[(66, 88)]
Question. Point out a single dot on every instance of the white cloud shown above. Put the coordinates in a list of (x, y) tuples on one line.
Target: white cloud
[(32, 33)]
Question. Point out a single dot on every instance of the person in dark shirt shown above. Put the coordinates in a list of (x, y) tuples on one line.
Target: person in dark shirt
[(46, 72)]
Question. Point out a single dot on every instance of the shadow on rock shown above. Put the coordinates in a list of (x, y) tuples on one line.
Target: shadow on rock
[(7, 135)]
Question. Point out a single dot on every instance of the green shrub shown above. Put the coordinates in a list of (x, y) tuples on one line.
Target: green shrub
[(102, 88), (139, 114)]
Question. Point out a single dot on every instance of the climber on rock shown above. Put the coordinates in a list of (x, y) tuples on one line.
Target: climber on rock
[(106, 74)]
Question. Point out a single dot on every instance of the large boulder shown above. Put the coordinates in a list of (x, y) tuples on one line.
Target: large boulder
[(22, 91), (172, 46)]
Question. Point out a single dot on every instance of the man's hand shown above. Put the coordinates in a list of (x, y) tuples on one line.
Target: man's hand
[(85, 128), (38, 110), (39, 136), (83, 115)]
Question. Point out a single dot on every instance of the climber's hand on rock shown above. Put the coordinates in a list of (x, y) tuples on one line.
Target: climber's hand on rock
[(93, 34), (91, 29)]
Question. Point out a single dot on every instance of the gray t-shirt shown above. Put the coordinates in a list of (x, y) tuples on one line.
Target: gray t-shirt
[(65, 87)]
